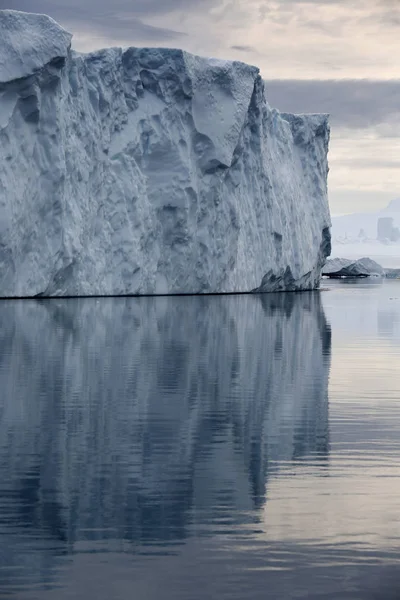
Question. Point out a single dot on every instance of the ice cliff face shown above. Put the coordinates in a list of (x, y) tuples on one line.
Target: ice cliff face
[(145, 171)]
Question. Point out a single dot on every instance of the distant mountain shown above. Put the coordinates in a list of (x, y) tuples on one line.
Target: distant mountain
[(393, 206), (355, 236), (363, 227)]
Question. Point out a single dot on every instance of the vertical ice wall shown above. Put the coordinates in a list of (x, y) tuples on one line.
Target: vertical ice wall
[(145, 171)]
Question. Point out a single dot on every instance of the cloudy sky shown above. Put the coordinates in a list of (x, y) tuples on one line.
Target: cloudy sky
[(336, 56)]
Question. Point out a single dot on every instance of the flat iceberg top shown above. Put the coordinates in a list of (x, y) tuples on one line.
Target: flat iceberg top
[(28, 42)]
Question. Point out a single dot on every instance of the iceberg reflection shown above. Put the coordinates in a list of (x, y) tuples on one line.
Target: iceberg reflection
[(146, 421)]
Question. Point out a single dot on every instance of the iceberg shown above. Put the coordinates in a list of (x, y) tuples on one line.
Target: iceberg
[(151, 171), (344, 267)]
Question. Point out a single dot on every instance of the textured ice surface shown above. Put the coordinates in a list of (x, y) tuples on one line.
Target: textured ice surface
[(29, 42), (151, 171)]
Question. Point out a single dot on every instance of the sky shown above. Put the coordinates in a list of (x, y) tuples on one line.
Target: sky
[(336, 56)]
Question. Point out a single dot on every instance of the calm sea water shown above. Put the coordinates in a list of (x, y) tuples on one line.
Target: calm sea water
[(242, 447)]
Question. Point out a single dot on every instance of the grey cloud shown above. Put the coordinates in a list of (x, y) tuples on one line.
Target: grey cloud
[(384, 12), (368, 163), (390, 17), (353, 200), (127, 18), (371, 3), (103, 8), (289, 4), (326, 29), (351, 103), (117, 18), (136, 30), (244, 48)]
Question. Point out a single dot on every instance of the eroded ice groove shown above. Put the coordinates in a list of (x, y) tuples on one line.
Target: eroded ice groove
[(146, 171)]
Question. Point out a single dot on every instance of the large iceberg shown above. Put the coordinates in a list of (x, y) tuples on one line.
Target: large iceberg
[(150, 170)]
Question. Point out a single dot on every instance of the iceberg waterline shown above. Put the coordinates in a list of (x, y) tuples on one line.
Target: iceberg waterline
[(150, 170)]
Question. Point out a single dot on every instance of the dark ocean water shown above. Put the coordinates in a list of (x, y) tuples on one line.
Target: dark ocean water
[(230, 447)]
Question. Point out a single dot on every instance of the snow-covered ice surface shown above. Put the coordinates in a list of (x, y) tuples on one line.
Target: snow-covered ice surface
[(150, 170), (29, 42)]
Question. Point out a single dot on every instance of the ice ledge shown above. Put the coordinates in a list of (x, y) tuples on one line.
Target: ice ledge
[(306, 127), (28, 42)]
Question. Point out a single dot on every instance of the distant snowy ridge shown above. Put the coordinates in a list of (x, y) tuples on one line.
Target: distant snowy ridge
[(374, 234), (150, 170), (363, 227)]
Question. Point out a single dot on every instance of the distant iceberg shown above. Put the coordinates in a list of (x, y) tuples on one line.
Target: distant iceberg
[(373, 234), (148, 171), (364, 227), (344, 267)]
